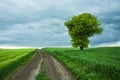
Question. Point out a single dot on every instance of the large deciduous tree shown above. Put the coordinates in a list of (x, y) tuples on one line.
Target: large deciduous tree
[(81, 27)]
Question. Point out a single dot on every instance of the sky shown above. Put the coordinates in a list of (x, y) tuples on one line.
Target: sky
[(38, 23)]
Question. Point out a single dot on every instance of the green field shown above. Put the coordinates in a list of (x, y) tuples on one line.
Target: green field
[(90, 64), (10, 59)]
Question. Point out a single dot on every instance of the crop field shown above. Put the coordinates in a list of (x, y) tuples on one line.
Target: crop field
[(10, 59), (90, 64)]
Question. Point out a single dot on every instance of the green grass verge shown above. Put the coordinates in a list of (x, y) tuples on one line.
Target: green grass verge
[(92, 63), (10, 59)]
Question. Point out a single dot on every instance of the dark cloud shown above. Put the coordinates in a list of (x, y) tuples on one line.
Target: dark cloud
[(111, 24)]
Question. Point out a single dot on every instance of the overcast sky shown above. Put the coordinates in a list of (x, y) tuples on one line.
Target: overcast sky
[(36, 23)]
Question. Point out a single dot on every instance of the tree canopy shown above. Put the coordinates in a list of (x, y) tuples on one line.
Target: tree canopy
[(81, 27)]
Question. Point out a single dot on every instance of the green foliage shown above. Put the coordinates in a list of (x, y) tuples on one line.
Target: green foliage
[(42, 76), (90, 64), (81, 27), (10, 59)]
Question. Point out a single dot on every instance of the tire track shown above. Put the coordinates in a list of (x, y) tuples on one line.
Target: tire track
[(55, 70), (32, 66)]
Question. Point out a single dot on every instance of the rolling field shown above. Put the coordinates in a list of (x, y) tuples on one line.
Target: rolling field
[(90, 64), (10, 59)]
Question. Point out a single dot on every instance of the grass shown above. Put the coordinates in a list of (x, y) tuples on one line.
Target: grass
[(42, 76), (10, 59), (91, 64)]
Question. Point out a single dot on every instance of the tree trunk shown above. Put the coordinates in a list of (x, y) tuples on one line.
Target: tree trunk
[(81, 47)]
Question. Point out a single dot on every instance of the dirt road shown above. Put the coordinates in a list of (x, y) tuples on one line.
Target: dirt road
[(53, 68)]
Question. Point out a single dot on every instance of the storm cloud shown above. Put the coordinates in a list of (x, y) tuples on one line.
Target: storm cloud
[(36, 23)]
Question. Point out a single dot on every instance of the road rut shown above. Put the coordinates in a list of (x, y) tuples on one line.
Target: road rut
[(25, 73)]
